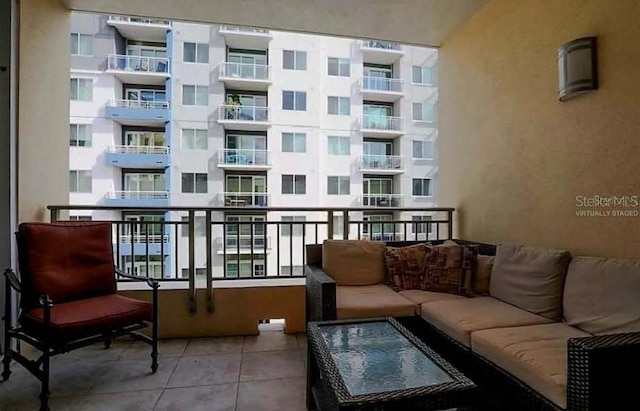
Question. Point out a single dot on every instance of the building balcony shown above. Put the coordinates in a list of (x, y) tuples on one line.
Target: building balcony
[(138, 156), (382, 164), (248, 118), (249, 38), (137, 198), (381, 200), (243, 244), (239, 76), (140, 28), (381, 89), (235, 159), (384, 236), (144, 244), (380, 52), (138, 113), (242, 199), (139, 70), (382, 126)]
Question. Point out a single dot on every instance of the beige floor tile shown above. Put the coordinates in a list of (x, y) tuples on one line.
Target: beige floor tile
[(271, 364), (270, 341), (76, 378), (166, 349), (220, 397), (281, 394), (33, 404), (128, 401), (134, 375), (211, 346), (206, 370)]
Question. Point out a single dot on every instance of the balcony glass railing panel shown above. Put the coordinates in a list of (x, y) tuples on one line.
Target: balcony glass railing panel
[(375, 122), (244, 113), (138, 63), (382, 200), (139, 104), (241, 199), (370, 83), (381, 162), (244, 71), (243, 29), (138, 149), (381, 45), (140, 20), (232, 156)]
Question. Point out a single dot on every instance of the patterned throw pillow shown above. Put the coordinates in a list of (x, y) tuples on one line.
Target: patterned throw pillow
[(450, 269), (405, 266)]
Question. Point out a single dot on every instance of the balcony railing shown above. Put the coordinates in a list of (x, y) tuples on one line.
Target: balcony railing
[(243, 29), (244, 71), (236, 243), (377, 162), (229, 112), (138, 63), (382, 200), (139, 20), (138, 149), (144, 238), (380, 45), (139, 104), (137, 195), (242, 157), (382, 123), (374, 84), (242, 199)]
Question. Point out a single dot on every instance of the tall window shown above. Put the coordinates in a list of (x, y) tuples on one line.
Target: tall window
[(423, 112), (81, 44), (194, 183), (194, 139), (339, 105), (201, 226), (294, 142), (338, 185), (338, 67), (80, 181), (81, 89), (422, 187), (195, 52), (292, 229), (80, 135), (195, 95), (294, 60), (294, 100), (422, 149), (294, 184), (422, 225), (422, 75), (339, 145)]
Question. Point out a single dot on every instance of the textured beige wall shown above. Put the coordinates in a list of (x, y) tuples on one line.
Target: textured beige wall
[(513, 158), (43, 118)]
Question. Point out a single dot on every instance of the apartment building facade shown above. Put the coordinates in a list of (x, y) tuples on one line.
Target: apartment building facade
[(184, 114)]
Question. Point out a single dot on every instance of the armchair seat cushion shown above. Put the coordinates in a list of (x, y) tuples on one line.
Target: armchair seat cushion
[(535, 354), (420, 297), (369, 301), (84, 318)]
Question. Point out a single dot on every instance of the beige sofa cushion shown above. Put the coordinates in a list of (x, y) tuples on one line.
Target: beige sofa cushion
[(535, 354), (482, 277), (602, 295), (420, 297), (368, 301), (531, 278), (459, 318), (354, 262)]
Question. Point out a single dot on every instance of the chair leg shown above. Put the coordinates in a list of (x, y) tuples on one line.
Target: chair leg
[(107, 343), (6, 363), (44, 395), (154, 348)]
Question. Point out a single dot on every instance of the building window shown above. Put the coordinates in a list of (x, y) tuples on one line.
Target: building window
[(80, 135), (194, 139), (422, 187), (338, 185), (339, 105), (294, 143), (422, 149), (195, 95), (294, 184), (81, 44), (195, 53), (80, 181), (423, 112), (288, 229), (291, 270), (339, 145), (338, 67), (294, 60), (422, 225), (294, 100), (201, 226), (194, 183), (422, 75), (80, 218), (81, 89)]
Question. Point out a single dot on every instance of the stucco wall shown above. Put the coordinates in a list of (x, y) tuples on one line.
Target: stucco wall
[(512, 157)]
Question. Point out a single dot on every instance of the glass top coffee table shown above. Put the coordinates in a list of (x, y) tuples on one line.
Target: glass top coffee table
[(378, 364)]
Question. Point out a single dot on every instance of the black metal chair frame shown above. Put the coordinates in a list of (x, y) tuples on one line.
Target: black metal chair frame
[(40, 367)]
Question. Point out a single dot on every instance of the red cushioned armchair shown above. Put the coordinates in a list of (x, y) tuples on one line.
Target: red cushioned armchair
[(68, 298)]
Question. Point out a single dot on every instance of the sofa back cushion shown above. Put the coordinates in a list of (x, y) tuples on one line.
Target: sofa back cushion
[(405, 266), (602, 295), (482, 277), (354, 262), (531, 278)]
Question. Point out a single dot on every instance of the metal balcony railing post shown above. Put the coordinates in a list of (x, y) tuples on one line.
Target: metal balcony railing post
[(192, 261), (330, 225), (209, 245), (345, 224), (450, 224)]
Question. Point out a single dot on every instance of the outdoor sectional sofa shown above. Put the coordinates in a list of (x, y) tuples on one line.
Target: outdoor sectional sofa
[(547, 332)]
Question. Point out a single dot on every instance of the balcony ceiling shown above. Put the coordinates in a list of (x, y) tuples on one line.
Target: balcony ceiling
[(419, 22)]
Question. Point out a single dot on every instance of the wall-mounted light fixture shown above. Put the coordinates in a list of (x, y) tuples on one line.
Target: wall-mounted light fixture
[(577, 67)]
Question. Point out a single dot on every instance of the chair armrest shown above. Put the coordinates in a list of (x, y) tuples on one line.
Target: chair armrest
[(321, 295), (12, 280), (604, 372), (150, 281)]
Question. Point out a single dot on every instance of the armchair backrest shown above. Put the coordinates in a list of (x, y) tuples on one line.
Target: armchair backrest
[(66, 261)]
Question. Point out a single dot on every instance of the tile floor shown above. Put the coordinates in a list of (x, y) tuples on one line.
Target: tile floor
[(265, 372)]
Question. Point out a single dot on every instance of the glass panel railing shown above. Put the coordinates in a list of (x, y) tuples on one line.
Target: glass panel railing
[(138, 63)]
